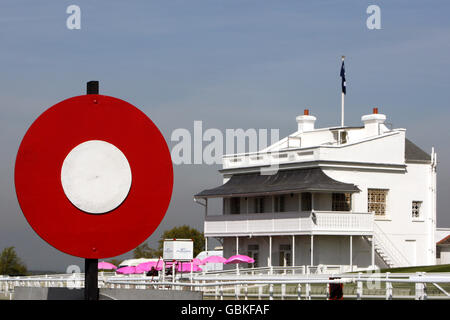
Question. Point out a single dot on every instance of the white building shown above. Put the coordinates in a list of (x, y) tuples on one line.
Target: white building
[(443, 245), (357, 196)]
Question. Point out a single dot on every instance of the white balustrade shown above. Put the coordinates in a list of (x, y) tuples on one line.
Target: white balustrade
[(318, 222)]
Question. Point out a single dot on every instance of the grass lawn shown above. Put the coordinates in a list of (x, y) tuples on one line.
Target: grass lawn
[(433, 268)]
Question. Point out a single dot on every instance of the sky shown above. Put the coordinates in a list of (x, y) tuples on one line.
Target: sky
[(229, 63)]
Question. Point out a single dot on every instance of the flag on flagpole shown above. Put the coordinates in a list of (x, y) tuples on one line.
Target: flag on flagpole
[(343, 84)]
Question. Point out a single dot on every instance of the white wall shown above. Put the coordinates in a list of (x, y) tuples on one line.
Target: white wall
[(412, 185), (445, 255)]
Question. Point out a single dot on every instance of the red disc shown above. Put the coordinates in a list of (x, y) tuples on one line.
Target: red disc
[(39, 189)]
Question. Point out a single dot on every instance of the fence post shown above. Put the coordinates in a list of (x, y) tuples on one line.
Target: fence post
[(260, 292), (221, 292), (359, 287), (327, 292), (359, 290), (388, 288), (421, 288), (246, 291), (271, 291), (299, 291), (283, 290), (308, 291)]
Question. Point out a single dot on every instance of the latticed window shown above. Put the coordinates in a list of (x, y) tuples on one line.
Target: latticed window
[(416, 209), (377, 201), (341, 202)]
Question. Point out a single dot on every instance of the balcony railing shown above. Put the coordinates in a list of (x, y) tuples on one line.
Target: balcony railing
[(280, 223), (258, 159)]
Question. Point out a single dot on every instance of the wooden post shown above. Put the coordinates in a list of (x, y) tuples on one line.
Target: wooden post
[(91, 265)]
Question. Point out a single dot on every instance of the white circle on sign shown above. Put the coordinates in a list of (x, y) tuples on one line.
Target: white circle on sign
[(96, 176)]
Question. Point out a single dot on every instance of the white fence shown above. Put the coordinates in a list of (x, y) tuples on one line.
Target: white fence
[(283, 285)]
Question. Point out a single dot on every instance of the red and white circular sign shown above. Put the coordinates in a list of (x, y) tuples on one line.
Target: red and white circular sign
[(94, 176)]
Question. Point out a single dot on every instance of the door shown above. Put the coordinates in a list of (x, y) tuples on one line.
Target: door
[(253, 252), (285, 255), (411, 251)]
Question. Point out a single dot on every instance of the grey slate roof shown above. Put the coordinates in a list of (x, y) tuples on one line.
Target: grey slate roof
[(414, 154), (286, 181)]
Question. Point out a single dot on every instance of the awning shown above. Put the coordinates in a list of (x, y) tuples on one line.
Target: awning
[(286, 181)]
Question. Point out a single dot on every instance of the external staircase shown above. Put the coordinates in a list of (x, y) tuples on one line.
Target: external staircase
[(386, 249)]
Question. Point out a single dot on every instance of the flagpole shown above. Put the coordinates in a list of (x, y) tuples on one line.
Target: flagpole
[(342, 102)]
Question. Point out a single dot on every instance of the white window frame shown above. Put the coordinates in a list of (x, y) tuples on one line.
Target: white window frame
[(420, 216), (386, 211)]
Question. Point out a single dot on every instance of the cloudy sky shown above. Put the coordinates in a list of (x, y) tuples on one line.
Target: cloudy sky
[(230, 63)]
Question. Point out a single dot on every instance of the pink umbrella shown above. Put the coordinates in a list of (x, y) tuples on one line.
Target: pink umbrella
[(147, 266), (214, 259), (197, 261), (239, 259), (103, 265), (186, 267), (126, 270)]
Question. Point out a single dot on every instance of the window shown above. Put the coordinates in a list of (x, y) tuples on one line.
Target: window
[(341, 202), (285, 255), (279, 203), (343, 137), (377, 201), (252, 252), (416, 210), (235, 205), (306, 201), (259, 204)]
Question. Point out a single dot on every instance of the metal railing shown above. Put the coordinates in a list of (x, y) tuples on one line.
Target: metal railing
[(389, 248), (388, 286)]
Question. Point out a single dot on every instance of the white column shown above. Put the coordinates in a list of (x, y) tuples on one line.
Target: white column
[(312, 250), (293, 250), (206, 245), (270, 251), (237, 252), (342, 109), (351, 253), (373, 252)]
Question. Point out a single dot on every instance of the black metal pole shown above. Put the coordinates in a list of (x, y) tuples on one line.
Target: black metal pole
[(90, 279), (91, 265)]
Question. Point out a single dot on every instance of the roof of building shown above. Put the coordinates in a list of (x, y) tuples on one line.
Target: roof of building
[(414, 153), (446, 240), (284, 181)]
